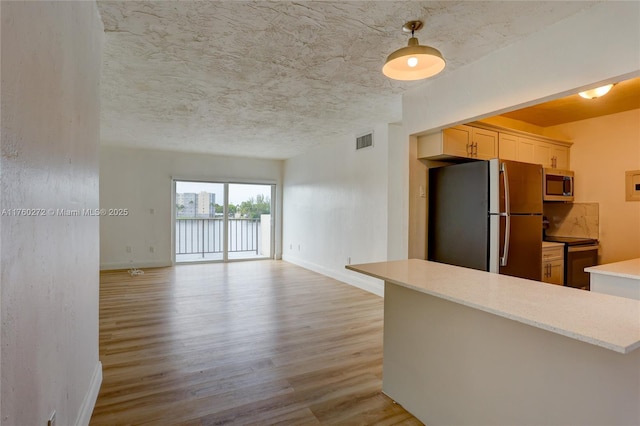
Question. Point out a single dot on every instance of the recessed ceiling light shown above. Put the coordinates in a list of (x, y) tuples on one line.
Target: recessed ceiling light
[(597, 92)]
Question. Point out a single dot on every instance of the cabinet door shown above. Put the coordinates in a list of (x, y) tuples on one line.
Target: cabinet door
[(485, 144), (545, 272), (526, 150), (542, 153), (551, 155), (457, 141), (556, 272), (561, 156), (553, 272), (508, 147), (553, 265)]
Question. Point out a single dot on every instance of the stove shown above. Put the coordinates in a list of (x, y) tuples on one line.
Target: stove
[(579, 253), (571, 241)]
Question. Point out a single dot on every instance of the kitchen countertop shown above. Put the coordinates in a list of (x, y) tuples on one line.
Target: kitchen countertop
[(546, 244), (599, 319), (624, 269)]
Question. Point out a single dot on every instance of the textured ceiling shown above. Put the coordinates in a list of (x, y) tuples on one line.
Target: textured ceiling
[(275, 79)]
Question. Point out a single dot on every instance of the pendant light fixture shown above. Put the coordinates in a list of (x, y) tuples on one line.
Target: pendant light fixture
[(413, 62), (597, 92)]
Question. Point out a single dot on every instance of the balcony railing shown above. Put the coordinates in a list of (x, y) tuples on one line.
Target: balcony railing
[(206, 236)]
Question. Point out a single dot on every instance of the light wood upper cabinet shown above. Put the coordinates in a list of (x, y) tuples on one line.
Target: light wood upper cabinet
[(560, 156), (551, 155), (537, 151), (482, 143), (508, 147), (527, 149), (456, 141), (459, 141)]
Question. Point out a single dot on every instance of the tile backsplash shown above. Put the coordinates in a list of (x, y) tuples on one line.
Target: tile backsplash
[(573, 219)]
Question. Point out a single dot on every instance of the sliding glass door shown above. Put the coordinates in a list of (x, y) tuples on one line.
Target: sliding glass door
[(217, 221), (249, 221)]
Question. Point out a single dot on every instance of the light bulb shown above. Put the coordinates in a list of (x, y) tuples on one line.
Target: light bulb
[(412, 61)]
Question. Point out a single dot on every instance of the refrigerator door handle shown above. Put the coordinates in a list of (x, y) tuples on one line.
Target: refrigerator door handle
[(505, 251), (507, 215)]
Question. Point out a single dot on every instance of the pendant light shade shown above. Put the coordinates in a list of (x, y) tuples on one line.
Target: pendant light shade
[(413, 62)]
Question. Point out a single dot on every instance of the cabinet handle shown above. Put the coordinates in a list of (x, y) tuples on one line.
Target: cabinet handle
[(546, 270), (549, 268), (476, 147)]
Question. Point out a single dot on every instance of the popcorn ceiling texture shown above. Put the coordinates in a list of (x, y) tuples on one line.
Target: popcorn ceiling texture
[(275, 79)]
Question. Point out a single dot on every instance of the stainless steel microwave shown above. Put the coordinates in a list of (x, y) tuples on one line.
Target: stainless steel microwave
[(557, 185)]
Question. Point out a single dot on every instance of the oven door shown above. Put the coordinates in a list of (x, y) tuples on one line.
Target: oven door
[(578, 258)]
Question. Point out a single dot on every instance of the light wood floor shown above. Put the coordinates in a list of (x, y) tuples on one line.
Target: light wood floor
[(262, 342)]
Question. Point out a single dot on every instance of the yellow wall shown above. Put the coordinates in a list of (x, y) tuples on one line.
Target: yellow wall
[(604, 148)]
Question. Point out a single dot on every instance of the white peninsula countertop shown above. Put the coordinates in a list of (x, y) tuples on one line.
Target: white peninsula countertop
[(618, 279), (469, 347), (599, 319), (624, 269)]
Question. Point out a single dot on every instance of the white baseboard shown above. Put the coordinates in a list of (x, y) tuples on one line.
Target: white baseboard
[(129, 265), (90, 398), (372, 285)]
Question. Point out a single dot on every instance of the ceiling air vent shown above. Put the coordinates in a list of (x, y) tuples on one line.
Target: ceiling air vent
[(364, 141)]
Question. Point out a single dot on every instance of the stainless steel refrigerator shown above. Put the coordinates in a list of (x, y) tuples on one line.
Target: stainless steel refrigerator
[(487, 215)]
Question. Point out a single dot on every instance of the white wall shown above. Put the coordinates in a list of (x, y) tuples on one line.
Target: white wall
[(601, 44), (604, 148), (335, 208), (51, 58), (141, 180), (397, 193)]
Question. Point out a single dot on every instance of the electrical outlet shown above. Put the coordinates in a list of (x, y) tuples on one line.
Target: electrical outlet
[(52, 419), (152, 249), (348, 261), (298, 247), (290, 246), (128, 249), (152, 211)]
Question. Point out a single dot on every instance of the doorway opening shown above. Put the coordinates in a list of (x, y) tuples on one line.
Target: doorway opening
[(220, 222)]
